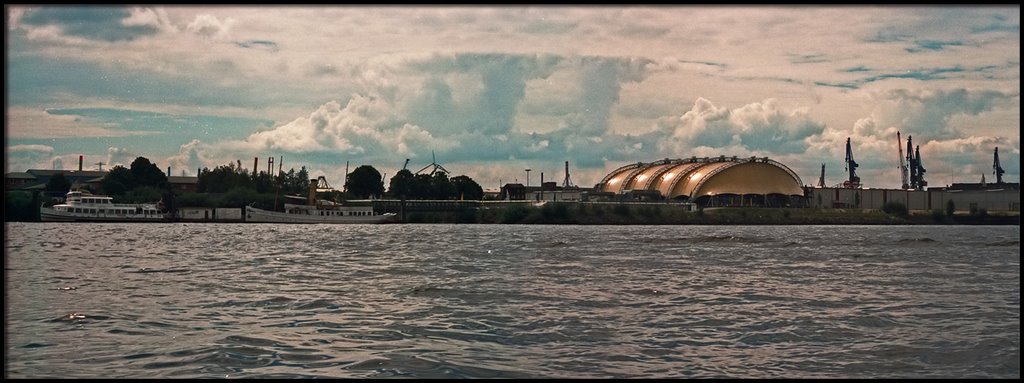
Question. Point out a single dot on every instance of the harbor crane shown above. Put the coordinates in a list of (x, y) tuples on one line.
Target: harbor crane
[(921, 183), (996, 168), (322, 185), (911, 163), (821, 180), (437, 167), (903, 166), (917, 170), (851, 166)]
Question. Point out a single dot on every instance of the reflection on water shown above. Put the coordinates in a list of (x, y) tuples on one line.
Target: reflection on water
[(509, 301)]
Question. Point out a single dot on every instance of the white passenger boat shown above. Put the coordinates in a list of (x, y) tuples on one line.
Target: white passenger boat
[(85, 207), (321, 213)]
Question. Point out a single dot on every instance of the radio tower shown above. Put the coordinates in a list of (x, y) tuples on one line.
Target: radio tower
[(567, 183)]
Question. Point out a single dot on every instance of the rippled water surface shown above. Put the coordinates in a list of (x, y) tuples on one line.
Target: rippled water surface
[(510, 301)]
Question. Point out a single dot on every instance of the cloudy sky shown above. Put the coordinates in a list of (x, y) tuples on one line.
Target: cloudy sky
[(491, 91)]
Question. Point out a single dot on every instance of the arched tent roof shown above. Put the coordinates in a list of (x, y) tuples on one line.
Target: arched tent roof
[(696, 177)]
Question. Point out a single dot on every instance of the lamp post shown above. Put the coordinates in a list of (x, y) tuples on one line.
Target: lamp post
[(527, 177)]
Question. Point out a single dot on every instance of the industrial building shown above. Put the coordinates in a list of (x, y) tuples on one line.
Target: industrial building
[(993, 199), (914, 193), (708, 182)]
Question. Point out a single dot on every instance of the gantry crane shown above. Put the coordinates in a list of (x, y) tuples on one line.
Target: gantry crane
[(905, 184), (996, 168), (851, 166)]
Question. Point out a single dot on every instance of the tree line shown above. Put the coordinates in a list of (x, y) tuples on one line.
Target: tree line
[(230, 185)]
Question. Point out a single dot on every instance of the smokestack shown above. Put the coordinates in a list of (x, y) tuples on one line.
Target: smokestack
[(80, 158), (270, 165), (312, 192), (168, 171), (255, 165), (567, 183)]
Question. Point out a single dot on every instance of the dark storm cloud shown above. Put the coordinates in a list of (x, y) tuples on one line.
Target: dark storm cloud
[(503, 78), (932, 45), (931, 111), (258, 44), (602, 81), (94, 23)]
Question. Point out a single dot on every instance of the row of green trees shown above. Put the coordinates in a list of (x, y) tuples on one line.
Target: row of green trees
[(229, 177), (365, 181), (230, 185)]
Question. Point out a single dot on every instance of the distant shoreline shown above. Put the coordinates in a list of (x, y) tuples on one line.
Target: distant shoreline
[(653, 215), (657, 214)]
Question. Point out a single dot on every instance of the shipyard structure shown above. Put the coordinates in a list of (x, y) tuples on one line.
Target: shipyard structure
[(706, 182), (914, 192), (761, 182)]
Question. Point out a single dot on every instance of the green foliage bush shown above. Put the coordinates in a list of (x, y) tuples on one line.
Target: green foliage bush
[(622, 210), (895, 208), (19, 206), (514, 214)]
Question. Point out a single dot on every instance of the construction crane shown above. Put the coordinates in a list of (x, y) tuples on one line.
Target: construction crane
[(903, 166), (821, 180), (921, 183), (921, 169), (911, 163), (851, 166), (436, 166), (996, 169), (322, 185), (406, 164)]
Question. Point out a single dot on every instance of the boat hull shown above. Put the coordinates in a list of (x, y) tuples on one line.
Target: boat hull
[(51, 215), (253, 214)]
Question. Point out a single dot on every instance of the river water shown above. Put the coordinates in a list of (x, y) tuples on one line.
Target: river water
[(188, 300)]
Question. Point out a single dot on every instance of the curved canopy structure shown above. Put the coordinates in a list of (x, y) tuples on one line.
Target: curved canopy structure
[(694, 178)]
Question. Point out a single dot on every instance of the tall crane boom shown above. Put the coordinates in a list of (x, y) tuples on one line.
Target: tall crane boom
[(911, 163), (996, 168), (851, 166), (903, 166), (821, 180), (921, 183)]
